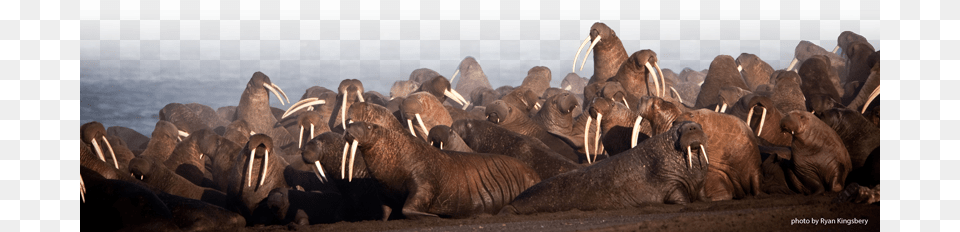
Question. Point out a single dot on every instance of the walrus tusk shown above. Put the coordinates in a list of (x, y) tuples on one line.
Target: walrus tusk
[(717, 109), (300, 139), (201, 157), (792, 63), (360, 95), (112, 154), (454, 77), (266, 161), (596, 138), (410, 125), (441, 145), (343, 112), (625, 102), (274, 91), (343, 161), (873, 95), (252, 133), (636, 130), (677, 93), (311, 132), (250, 167), (594, 44), (586, 132), (319, 172), (656, 81), (763, 117), (689, 157), (183, 133), (835, 49), (704, 150), (739, 68), (750, 116), (353, 156), (96, 147), (294, 108), (663, 82), (575, 58), (83, 191), (453, 94), (568, 88), (536, 106), (723, 109), (281, 92), (422, 127)]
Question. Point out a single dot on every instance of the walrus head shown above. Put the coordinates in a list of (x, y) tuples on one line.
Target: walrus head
[(356, 133), (439, 134), (94, 133), (439, 87), (310, 122), (498, 111), (140, 168), (208, 141), (794, 122), (259, 146), (647, 60), (566, 103), (691, 138)]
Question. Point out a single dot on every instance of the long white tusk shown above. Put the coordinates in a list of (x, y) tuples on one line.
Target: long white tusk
[(586, 132), (689, 157), (625, 102), (252, 133), (449, 94), (96, 147), (677, 93), (723, 109), (83, 191), (575, 58), (201, 157), (596, 138), (656, 80), (112, 154), (453, 94), (792, 63), (300, 139), (266, 168), (250, 167), (636, 131), (311, 132), (750, 116), (281, 92), (873, 95), (705, 157), (422, 127), (663, 82), (353, 156), (588, 52), (835, 49), (274, 91), (343, 161), (717, 109), (454, 77), (183, 133), (763, 117), (343, 112), (360, 95), (410, 125), (320, 174), (298, 103), (536, 106), (441, 145), (294, 109)]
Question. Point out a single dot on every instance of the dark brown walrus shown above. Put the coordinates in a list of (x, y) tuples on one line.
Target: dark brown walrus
[(668, 167), (437, 183)]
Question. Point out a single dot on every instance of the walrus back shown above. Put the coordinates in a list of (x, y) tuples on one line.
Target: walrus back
[(491, 180)]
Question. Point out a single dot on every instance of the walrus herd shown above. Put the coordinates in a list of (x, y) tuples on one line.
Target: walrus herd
[(629, 135)]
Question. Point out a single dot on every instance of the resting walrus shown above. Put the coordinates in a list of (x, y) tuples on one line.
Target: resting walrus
[(667, 168), (437, 183)]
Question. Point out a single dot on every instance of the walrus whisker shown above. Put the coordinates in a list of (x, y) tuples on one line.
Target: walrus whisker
[(300, 138), (594, 44), (704, 150), (586, 132), (763, 117), (656, 80), (294, 109), (96, 147), (596, 138), (250, 167), (636, 131), (360, 95), (689, 157), (410, 125), (353, 156), (320, 174), (343, 161), (873, 95), (577, 57), (112, 154), (281, 92), (266, 168), (663, 82), (274, 91), (422, 127)]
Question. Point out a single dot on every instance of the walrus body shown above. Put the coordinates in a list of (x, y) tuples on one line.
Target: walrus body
[(436, 183), (656, 171), (483, 136), (820, 161)]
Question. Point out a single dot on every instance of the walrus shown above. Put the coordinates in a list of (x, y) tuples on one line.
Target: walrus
[(486, 137), (162, 142), (723, 73), (734, 154), (573, 83), (437, 183), (426, 110), (403, 88), (133, 139), (860, 137), (819, 80), (538, 79), (92, 134), (162, 179), (607, 57), (303, 207), (787, 95), (439, 87), (516, 120), (755, 71), (349, 92), (660, 113), (189, 157), (444, 135), (620, 127), (634, 75), (667, 168), (472, 78), (121, 205), (185, 118), (254, 104), (556, 117), (760, 115), (257, 158), (820, 161)]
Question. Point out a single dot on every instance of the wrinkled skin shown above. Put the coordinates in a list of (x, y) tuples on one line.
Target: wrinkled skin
[(133, 139), (608, 55), (403, 88), (819, 80), (723, 73), (522, 98), (656, 171), (486, 137), (787, 94), (616, 127), (734, 157), (730, 95), (634, 76), (346, 96), (805, 50), (372, 113), (185, 118), (860, 136), (471, 78), (310, 124), (556, 117), (189, 157), (820, 162), (661, 114), (162, 142), (444, 138), (436, 183), (238, 132), (755, 71), (251, 192), (771, 134), (93, 133), (538, 79), (164, 180), (431, 112), (514, 119)]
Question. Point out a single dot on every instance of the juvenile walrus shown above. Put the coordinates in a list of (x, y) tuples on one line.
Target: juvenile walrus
[(667, 168), (820, 161), (437, 183)]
